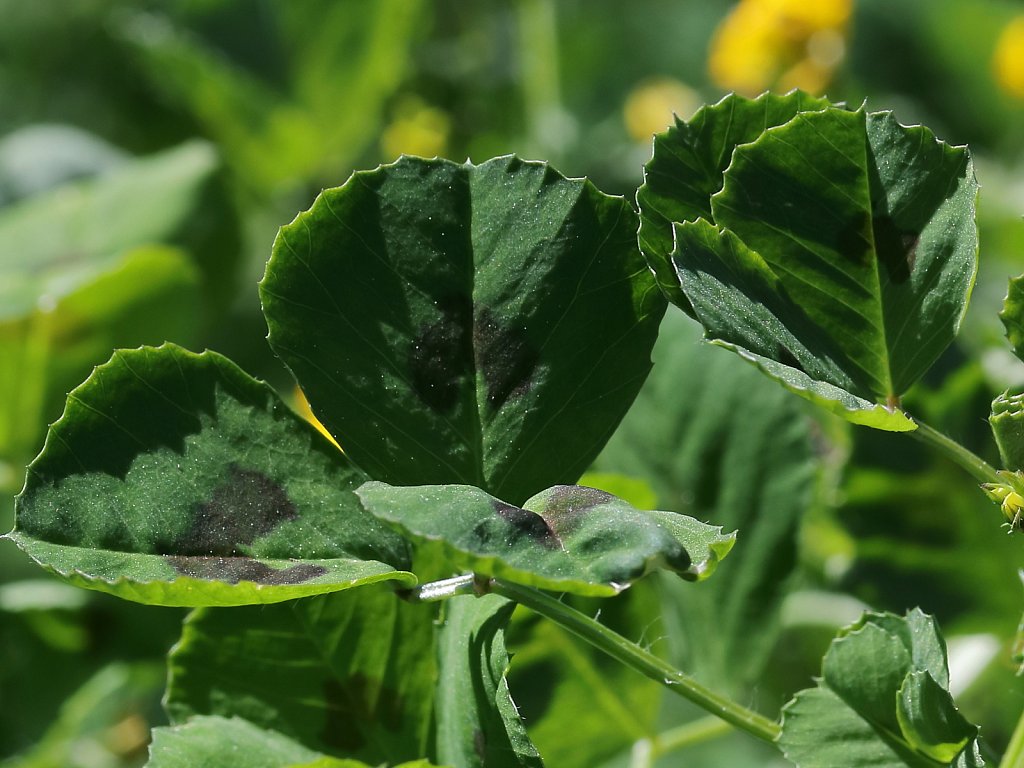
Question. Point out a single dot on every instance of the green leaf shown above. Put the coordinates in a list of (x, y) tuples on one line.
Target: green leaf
[(220, 742), (717, 441), (478, 725), (348, 674), (148, 295), (58, 241), (901, 714), (687, 166), (838, 258), (1012, 315), (567, 538), (340, 65), (1007, 422), (484, 325), (176, 479)]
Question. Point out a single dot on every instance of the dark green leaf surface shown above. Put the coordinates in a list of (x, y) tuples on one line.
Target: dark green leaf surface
[(176, 479), (349, 674), (478, 725), (220, 742), (486, 325), (688, 163), (838, 257), (716, 440), (567, 538), (882, 700)]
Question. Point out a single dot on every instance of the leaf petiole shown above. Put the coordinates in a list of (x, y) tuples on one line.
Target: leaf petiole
[(951, 449), (639, 659)]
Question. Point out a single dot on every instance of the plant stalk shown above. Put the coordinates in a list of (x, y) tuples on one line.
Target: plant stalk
[(636, 657), (980, 469), (1014, 755), (647, 751)]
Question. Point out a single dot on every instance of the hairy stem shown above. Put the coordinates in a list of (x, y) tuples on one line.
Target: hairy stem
[(980, 469), (636, 657), (647, 751)]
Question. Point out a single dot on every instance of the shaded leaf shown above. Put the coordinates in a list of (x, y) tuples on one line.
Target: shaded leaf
[(176, 479), (567, 538), (717, 441), (687, 166), (228, 742), (486, 325), (838, 257), (899, 713), (349, 674), (478, 725)]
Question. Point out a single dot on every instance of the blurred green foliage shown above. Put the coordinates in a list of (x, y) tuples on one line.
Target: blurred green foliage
[(149, 151)]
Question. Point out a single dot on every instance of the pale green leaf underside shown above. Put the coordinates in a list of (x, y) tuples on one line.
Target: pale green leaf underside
[(64, 239), (174, 478), (842, 246), (220, 742), (478, 725), (478, 324), (901, 714), (567, 538)]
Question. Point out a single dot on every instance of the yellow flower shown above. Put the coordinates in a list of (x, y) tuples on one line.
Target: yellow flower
[(650, 106), (416, 129), (1008, 58), (788, 43)]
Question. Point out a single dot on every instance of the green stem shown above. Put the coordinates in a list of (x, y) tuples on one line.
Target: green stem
[(1014, 755), (974, 464), (636, 657), (647, 751)]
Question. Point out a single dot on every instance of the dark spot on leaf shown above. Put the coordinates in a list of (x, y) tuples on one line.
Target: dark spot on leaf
[(527, 523), (355, 704), (248, 505), (852, 241), (439, 358), (897, 249), (566, 504), (504, 356), (235, 569)]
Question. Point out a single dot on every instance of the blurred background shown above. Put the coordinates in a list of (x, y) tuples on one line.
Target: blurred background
[(150, 150)]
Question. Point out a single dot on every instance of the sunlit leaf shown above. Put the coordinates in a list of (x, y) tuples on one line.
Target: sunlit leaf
[(176, 479), (899, 714), (567, 538), (838, 257), (479, 324)]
